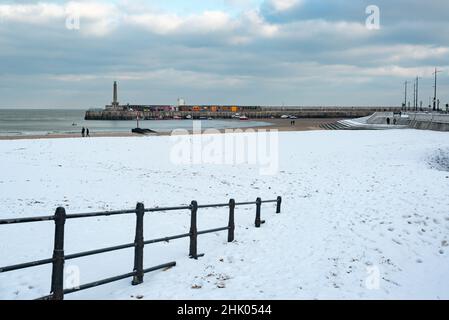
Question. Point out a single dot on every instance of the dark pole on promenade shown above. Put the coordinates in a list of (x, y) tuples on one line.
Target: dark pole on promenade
[(414, 96), (405, 96), (435, 90), (417, 93)]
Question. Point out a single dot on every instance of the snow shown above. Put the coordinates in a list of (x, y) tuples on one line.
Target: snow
[(364, 215)]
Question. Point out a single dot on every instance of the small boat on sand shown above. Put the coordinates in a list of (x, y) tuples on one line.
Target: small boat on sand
[(142, 131)]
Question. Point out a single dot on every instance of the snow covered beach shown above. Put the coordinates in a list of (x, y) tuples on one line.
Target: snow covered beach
[(365, 215)]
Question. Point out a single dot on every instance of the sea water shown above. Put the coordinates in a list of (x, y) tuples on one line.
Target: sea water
[(62, 121)]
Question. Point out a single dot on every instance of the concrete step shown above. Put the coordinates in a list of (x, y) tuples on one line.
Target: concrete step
[(335, 126), (343, 125)]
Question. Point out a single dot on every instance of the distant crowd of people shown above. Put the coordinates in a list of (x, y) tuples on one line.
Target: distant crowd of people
[(85, 132)]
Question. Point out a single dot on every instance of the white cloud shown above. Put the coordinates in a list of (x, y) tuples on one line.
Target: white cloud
[(96, 18), (174, 77), (31, 13), (398, 71), (253, 21), (238, 30), (206, 22), (157, 23), (392, 54), (417, 52), (101, 19), (284, 5)]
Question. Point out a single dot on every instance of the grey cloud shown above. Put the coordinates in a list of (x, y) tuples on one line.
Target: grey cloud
[(309, 60)]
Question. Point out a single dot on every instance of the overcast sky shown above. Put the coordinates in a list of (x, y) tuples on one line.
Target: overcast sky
[(253, 52)]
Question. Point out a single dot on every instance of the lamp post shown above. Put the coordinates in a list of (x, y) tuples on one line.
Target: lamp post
[(405, 96), (435, 90), (417, 92)]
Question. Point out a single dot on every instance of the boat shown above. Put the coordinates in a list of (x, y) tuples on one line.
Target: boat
[(188, 116), (142, 131), (284, 116), (244, 118), (177, 118)]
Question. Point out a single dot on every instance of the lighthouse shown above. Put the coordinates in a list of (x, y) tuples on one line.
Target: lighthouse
[(115, 103)]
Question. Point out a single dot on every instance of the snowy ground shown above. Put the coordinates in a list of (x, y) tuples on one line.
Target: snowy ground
[(356, 204)]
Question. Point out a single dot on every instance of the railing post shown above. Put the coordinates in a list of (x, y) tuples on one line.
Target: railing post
[(258, 205), (57, 276), (278, 205), (138, 245), (231, 224), (193, 253)]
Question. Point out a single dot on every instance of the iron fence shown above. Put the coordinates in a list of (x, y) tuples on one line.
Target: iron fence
[(60, 217)]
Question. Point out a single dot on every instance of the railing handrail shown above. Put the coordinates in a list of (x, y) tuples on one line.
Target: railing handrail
[(119, 212), (59, 257)]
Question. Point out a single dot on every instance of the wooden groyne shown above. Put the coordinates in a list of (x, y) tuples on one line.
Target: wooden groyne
[(300, 112)]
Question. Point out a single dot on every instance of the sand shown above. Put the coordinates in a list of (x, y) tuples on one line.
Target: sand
[(278, 124)]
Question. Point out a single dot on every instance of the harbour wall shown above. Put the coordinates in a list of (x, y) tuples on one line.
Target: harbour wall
[(300, 112)]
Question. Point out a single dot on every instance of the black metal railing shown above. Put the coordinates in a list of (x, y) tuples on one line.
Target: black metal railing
[(60, 217)]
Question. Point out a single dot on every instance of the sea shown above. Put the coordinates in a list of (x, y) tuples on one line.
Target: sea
[(17, 122)]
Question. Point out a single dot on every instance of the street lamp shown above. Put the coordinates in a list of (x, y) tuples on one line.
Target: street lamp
[(435, 91)]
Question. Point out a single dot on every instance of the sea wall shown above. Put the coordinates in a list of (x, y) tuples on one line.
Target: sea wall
[(423, 121), (430, 121)]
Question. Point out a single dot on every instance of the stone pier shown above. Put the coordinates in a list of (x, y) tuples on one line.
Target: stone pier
[(265, 113)]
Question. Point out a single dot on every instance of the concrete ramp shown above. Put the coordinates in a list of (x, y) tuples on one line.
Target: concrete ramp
[(376, 121), (389, 120)]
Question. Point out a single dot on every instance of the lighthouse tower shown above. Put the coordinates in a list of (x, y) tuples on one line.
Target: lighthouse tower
[(115, 103)]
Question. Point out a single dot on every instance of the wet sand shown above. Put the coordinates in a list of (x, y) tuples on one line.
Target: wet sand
[(276, 124), (69, 135)]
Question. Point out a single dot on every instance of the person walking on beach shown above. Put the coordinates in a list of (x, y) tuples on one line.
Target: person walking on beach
[(87, 132), (83, 131)]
